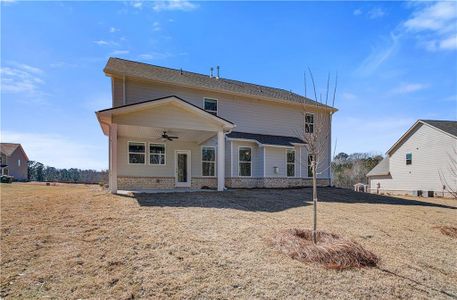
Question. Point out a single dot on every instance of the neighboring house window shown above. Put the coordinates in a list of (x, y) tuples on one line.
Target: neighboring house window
[(208, 161), (210, 105), (409, 158), (290, 163), (244, 157), (157, 154), (309, 123), (18, 162), (137, 153), (310, 167)]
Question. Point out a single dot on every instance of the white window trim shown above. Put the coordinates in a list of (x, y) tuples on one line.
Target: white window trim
[(239, 162), (307, 166), (294, 163), (164, 154), (215, 161), (313, 123), (211, 111), (128, 152)]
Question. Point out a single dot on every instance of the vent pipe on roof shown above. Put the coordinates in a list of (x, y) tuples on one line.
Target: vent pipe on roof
[(217, 72), (211, 72)]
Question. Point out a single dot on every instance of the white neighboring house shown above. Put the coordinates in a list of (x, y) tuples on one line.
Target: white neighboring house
[(422, 162)]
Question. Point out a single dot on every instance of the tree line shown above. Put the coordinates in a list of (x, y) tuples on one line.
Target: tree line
[(39, 172), (349, 169)]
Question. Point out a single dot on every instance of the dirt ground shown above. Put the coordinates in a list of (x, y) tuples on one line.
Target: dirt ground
[(78, 241)]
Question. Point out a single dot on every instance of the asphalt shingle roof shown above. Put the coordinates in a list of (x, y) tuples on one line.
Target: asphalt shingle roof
[(382, 168), (446, 126), (181, 77), (266, 139), (8, 148)]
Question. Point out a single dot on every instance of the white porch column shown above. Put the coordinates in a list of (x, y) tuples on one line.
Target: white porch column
[(220, 160), (113, 158)]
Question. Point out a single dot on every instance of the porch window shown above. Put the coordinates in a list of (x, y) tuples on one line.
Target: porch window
[(157, 154), (210, 105), (245, 161), (208, 161), (310, 167), (137, 153), (309, 123), (290, 156), (409, 158)]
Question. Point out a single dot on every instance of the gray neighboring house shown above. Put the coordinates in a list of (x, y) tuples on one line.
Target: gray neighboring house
[(170, 128), (13, 161), (422, 162)]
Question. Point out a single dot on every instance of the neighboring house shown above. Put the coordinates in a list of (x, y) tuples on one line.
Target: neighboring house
[(172, 128), (13, 160), (422, 162)]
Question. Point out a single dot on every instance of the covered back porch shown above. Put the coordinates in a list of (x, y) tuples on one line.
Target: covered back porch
[(165, 143)]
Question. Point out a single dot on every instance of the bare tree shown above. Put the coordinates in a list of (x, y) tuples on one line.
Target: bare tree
[(450, 184), (316, 134)]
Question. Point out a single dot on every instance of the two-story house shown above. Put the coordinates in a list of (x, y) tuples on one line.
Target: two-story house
[(422, 162), (171, 128), (13, 161)]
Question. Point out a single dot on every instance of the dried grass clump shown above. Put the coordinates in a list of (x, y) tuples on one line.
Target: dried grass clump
[(331, 250), (448, 230)]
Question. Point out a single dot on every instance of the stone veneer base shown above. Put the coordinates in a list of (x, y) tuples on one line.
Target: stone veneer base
[(133, 183)]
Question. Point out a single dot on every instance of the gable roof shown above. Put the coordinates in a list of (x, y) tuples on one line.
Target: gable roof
[(382, 168), (9, 148), (106, 113), (446, 126), (190, 79), (266, 139)]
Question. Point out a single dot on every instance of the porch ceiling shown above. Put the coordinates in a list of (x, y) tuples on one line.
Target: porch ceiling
[(154, 134)]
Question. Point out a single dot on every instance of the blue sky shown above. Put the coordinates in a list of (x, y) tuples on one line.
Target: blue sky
[(397, 62)]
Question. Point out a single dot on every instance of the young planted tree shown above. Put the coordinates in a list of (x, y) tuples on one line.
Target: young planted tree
[(316, 134)]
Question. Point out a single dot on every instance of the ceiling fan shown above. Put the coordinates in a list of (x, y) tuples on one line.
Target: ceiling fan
[(170, 138)]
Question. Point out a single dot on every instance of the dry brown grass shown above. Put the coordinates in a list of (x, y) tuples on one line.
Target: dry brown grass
[(330, 250), (448, 230), (74, 241)]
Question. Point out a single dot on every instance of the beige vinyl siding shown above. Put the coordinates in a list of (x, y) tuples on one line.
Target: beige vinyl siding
[(117, 92), (249, 115), (430, 149), (228, 155), (166, 116), (275, 157)]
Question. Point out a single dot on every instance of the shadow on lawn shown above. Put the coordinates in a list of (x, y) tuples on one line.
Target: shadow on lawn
[(270, 200)]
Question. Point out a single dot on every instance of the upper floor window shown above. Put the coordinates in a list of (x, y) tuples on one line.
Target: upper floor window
[(309, 123), (18, 162), (208, 161), (210, 105), (290, 156), (157, 154), (409, 158), (245, 160), (137, 153)]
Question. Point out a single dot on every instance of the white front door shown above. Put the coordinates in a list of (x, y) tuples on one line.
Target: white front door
[(182, 168)]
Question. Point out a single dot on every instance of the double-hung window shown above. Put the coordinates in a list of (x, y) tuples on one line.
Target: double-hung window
[(208, 161), (137, 153), (310, 165), (245, 161), (157, 154), (290, 156), (210, 105), (409, 158), (309, 123)]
